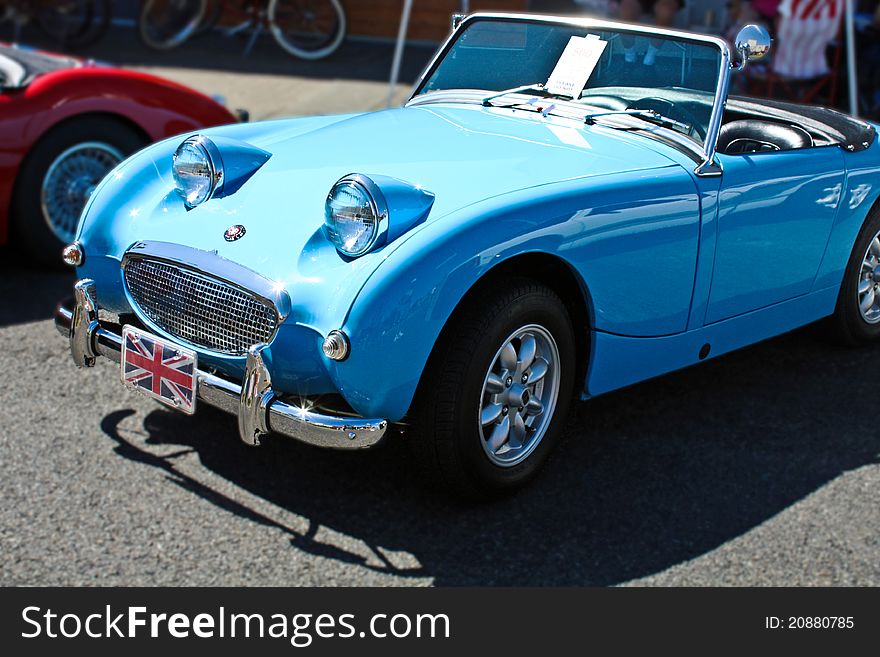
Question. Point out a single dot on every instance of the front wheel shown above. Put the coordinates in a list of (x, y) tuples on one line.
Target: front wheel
[(308, 29), (495, 393)]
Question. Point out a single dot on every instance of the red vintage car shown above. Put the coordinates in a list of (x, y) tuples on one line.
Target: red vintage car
[(64, 123)]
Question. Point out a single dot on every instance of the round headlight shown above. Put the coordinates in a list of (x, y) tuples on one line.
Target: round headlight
[(355, 215), (198, 170)]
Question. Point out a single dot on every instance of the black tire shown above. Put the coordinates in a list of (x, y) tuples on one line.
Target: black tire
[(847, 325), (30, 227), (445, 435)]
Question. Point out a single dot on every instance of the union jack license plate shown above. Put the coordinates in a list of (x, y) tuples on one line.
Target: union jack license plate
[(159, 369)]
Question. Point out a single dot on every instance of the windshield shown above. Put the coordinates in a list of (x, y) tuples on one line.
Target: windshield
[(674, 76)]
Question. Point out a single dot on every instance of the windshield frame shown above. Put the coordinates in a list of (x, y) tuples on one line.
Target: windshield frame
[(708, 165)]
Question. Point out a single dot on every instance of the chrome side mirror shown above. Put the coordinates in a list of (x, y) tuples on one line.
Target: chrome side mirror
[(752, 43)]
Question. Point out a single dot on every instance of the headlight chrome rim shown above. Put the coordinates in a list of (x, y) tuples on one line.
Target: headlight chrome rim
[(378, 206), (214, 163)]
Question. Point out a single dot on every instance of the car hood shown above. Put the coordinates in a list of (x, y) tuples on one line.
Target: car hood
[(461, 154)]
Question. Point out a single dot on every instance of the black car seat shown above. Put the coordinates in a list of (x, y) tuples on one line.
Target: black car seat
[(756, 136)]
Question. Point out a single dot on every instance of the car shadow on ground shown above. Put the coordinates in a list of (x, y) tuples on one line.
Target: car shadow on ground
[(30, 292), (649, 477)]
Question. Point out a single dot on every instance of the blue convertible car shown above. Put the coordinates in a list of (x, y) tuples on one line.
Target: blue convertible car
[(552, 214)]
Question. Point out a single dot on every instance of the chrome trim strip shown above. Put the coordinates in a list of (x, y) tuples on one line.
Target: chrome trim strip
[(708, 166), (269, 413)]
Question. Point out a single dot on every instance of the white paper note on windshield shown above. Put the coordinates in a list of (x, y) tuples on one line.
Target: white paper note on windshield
[(575, 66)]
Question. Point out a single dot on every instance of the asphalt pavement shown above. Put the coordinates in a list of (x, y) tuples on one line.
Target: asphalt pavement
[(761, 467), (758, 468)]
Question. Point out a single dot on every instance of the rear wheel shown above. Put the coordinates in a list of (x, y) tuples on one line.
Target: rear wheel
[(308, 29), (856, 318), (59, 175), (494, 396)]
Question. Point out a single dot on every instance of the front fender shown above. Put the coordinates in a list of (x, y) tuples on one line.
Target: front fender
[(597, 226), (160, 108)]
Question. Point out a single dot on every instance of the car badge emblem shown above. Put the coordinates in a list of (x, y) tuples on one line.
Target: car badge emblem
[(233, 233)]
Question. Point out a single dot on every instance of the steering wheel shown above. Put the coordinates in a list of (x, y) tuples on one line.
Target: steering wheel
[(669, 109)]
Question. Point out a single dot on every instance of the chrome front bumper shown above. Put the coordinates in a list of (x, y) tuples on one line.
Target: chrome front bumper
[(259, 409)]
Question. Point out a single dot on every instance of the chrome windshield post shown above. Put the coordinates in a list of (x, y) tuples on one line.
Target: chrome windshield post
[(709, 166)]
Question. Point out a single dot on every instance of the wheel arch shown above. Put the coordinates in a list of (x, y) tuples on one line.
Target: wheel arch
[(12, 231), (48, 130), (556, 274), (113, 117), (403, 337)]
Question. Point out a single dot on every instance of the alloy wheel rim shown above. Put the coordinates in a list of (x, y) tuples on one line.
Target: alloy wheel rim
[(519, 396), (869, 283), (70, 181)]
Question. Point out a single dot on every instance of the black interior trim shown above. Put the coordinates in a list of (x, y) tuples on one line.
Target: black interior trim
[(757, 136), (826, 126)]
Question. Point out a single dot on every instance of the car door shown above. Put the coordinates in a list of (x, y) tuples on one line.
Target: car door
[(775, 214)]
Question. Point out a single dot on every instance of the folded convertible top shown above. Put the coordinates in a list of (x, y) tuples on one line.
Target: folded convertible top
[(850, 133)]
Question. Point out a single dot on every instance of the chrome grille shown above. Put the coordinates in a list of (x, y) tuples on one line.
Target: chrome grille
[(198, 309)]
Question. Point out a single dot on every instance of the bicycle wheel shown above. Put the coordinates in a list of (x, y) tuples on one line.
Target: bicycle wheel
[(166, 24), (101, 15), (65, 21), (213, 11), (309, 29)]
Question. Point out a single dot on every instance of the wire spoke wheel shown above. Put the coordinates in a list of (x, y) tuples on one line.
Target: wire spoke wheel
[(310, 29), (70, 180), (166, 24), (519, 395)]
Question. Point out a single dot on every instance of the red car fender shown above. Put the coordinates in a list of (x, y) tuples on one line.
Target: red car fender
[(155, 107)]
